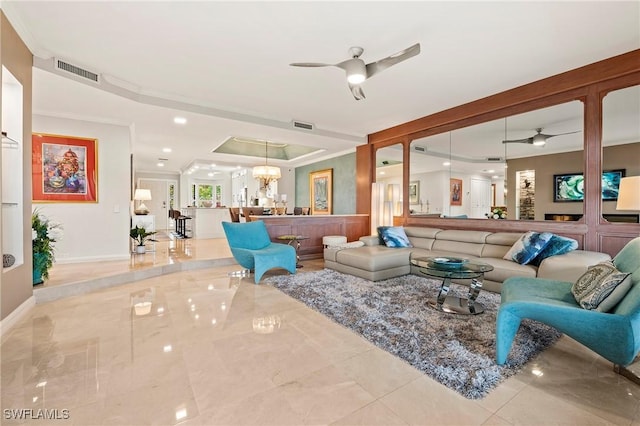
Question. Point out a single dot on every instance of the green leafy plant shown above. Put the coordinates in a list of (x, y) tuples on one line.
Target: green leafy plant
[(140, 235), (44, 234)]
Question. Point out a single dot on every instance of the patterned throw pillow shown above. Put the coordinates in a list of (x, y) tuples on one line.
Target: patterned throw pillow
[(394, 236), (601, 287), (528, 247), (557, 245)]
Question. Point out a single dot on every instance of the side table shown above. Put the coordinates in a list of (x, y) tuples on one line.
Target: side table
[(291, 240)]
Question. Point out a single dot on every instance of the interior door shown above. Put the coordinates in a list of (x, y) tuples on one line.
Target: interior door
[(159, 203), (480, 197)]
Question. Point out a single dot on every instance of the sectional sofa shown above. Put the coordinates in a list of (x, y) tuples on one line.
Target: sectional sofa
[(375, 261)]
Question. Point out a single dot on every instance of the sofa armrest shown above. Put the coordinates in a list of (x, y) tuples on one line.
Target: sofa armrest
[(370, 240), (570, 266)]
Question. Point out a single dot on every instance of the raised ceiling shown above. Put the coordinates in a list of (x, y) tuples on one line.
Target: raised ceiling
[(224, 65)]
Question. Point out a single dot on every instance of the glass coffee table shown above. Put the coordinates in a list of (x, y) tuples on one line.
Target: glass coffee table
[(448, 268)]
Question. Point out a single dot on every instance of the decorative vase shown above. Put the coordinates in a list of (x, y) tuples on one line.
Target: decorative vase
[(141, 249), (39, 267)]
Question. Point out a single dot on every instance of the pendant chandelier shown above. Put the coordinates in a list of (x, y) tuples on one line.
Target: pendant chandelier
[(266, 172)]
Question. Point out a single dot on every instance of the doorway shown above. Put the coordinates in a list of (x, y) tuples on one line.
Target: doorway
[(164, 196)]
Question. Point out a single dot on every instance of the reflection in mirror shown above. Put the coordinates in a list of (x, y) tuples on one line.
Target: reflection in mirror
[(487, 178), (389, 176), (620, 148), (460, 174), (545, 162)]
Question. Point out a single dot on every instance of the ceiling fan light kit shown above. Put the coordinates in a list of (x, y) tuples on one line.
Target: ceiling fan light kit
[(539, 139), (356, 69)]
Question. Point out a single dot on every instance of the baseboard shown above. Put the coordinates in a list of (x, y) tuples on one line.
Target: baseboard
[(631, 371), (16, 315)]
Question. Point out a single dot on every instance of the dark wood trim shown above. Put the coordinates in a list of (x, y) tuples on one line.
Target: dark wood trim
[(314, 228), (597, 72), (364, 178)]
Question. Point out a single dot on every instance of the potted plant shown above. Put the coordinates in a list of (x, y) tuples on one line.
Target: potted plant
[(141, 236), (44, 234)]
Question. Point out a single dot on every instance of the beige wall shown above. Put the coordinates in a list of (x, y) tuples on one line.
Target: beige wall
[(16, 285), (545, 166)]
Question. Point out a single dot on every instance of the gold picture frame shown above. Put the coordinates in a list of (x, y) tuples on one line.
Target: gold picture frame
[(321, 191)]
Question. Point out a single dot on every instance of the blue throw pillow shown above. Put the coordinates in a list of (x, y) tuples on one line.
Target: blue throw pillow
[(557, 245), (394, 236), (528, 247)]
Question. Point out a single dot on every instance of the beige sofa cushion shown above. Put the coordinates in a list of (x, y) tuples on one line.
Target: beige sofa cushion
[(477, 237), (421, 237), (461, 242), (503, 269), (374, 258), (569, 266), (499, 243)]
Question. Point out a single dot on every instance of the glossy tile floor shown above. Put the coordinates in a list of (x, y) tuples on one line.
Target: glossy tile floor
[(199, 347)]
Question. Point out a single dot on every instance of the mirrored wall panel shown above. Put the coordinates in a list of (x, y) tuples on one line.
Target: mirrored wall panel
[(389, 180), (503, 169), (620, 150)]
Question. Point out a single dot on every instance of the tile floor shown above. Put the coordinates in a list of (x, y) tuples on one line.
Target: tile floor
[(198, 347)]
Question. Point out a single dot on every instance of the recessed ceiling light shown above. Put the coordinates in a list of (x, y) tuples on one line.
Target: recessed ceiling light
[(381, 173), (491, 171), (494, 177), (210, 174), (196, 167), (161, 164), (180, 120), (213, 165), (446, 163), (166, 149)]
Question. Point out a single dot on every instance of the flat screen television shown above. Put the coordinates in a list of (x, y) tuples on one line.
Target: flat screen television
[(570, 186)]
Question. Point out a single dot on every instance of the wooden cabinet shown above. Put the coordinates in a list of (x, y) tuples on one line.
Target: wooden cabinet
[(315, 227)]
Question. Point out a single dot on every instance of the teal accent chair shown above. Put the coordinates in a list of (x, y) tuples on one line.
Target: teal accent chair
[(615, 335), (252, 248)]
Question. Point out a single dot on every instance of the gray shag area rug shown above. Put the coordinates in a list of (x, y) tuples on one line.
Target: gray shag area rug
[(456, 350)]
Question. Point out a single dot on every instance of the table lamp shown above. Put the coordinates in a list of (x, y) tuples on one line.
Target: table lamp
[(629, 193), (142, 195)]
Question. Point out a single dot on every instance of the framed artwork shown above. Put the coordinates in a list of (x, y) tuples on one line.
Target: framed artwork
[(64, 169), (570, 186), (455, 192), (414, 192), (321, 191)]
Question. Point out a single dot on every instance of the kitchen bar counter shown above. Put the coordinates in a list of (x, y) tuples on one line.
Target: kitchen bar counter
[(206, 222)]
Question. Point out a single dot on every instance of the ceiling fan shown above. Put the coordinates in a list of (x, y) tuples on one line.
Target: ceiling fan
[(357, 71), (538, 139)]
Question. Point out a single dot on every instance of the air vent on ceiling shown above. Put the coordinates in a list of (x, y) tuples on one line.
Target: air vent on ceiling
[(302, 125), (420, 148), (163, 159), (494, 158), (80, 72)]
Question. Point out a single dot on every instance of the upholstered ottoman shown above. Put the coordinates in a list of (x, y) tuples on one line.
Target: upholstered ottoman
[(333, 240)]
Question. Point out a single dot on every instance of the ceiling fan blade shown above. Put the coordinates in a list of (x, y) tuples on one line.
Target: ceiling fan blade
[(356, 91), (560, 134), (527, 140), (311, 64), (375, 67)]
